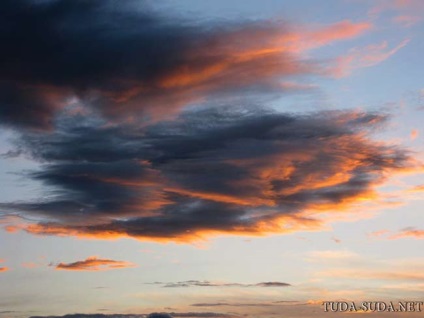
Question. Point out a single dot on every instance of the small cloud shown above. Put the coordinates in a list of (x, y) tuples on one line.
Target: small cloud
[(414, 134), (159, 315), (94, 264), (30, 265), (273, 284), (378, 234), (409, 232), (418, 188), (364, 57), (3, 269), (336, 240), (406, 20), (197, 283)]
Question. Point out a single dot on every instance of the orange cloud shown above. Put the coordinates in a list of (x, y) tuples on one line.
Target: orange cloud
[(409, 232), (378, 233), (94, 263), (30, 265), (368, 56), (3, 269), (418, 188), (338, 31), (414, 134)]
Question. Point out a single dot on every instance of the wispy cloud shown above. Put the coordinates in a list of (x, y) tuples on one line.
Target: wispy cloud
[(408, 232), (368, 56), (407, 20), (94, 263), (414, 134), (197, 283), (3, 269)]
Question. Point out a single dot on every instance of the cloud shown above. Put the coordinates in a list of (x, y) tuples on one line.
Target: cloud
[(3, 269), (201, 315), (273, 284), (30, 265), (412, 6), (132, 63), (232, 305), (222, 170), (418, 188), (409, 232), (406, 20), (343, 30), (151, 315), (197, 283), (368, 56), (117, 59), (100, 96), (414, 134), (94, 263)]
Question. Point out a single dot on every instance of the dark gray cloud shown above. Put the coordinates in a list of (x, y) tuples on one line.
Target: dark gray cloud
[(232, 305), (241, 170), (197, 283), (151, 315), (125, 60)]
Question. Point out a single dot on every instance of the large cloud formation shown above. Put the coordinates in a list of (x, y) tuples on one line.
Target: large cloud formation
[(128, 61), (99, 94), (231, 170)]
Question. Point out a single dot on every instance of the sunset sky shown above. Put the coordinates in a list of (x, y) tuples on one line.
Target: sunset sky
[(227, 158)]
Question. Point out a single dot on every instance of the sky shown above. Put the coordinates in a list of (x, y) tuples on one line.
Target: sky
[(190, 158)]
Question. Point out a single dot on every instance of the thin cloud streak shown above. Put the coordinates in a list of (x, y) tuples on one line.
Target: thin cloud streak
[(94, 263), (196, 283)]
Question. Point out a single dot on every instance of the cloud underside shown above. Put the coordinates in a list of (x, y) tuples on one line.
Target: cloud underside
[(237, 171), (100, 96)]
